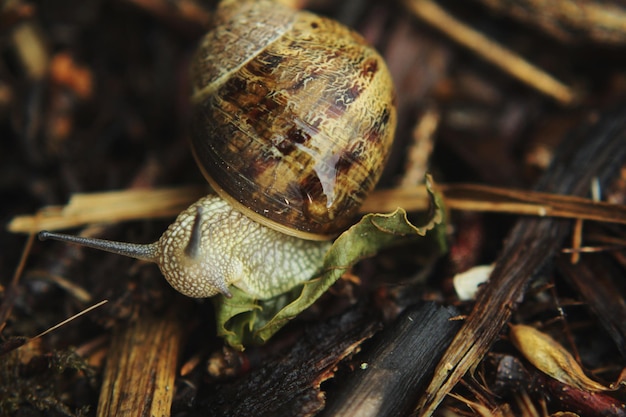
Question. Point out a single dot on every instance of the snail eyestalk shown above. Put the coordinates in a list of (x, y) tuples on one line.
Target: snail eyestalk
[(143, 252), (195, 239)]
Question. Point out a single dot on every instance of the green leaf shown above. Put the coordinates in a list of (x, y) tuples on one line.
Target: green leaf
[(242, 320)]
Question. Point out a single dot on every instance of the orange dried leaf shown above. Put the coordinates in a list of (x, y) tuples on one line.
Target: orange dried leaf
[(551, 358)]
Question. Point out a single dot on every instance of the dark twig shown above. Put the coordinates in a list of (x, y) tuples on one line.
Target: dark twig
[(404, 356)]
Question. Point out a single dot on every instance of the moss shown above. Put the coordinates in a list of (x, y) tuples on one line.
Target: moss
[(53, 383)]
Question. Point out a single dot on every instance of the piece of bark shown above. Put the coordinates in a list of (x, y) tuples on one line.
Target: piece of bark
[(290, 384), (593, 150), (141, 366), (592, 278), (395, 369)]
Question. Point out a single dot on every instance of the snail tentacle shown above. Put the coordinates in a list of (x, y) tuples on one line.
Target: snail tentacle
[(195, 239), (144, 252)]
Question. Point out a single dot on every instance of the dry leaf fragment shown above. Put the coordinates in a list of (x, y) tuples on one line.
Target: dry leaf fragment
[(551, 358)]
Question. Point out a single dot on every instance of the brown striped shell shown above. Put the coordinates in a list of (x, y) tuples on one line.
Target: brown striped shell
[(293, 116)]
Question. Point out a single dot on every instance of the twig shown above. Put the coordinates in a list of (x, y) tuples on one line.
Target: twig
[(69, 319), (495, 53), (112, 206), (421, 148), (478, 197), (116, 206)]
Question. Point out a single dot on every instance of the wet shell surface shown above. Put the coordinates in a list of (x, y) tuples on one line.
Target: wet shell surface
[(293, 119)]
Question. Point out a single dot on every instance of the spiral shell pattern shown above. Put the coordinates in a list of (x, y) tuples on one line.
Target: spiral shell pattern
[(294, 116)]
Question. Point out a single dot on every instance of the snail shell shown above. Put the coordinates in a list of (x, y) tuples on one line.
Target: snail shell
[(294, 115)]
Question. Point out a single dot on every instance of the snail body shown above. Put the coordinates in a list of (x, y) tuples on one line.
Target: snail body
[(191, 252), (293, 119)]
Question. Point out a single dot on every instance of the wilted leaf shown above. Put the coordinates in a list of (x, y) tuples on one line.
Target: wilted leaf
[(242, 320), (551, 358)]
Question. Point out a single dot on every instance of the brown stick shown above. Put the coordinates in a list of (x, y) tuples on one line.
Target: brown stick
[(479, 197), (141, 367), (493, 52)]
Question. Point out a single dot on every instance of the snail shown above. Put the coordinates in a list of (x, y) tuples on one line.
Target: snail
[(293, 117)]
